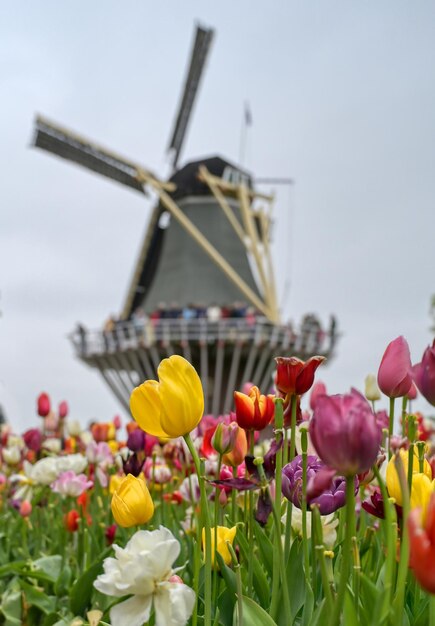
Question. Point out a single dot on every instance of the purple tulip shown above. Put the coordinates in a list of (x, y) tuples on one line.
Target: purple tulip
[(345, 433), (133, 465), (331, 499), (33, 439), (424, 374), (136, 440)]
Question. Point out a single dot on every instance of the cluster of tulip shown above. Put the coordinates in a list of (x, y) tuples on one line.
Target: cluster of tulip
[(275, 514)]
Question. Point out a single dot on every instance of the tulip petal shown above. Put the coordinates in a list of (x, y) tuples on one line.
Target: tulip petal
[(146, 408), (181, 395)]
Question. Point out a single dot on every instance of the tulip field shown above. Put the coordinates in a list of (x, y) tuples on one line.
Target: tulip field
[(298, 508)]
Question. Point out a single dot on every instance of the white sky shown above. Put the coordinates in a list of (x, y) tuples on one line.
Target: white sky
[(343, 99)]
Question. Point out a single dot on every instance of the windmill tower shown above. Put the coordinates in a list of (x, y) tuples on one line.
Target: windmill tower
[(207, 243)]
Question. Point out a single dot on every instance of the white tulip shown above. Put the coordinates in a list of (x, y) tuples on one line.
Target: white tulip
[(16, 441), (144, 568), (53, 445), (329, 524), (11, 455), (43, 472), (74, 428), (372, 391), (75, 462)]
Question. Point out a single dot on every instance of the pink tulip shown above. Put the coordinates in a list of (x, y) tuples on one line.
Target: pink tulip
[(318, 389), (63, 410), (395, 374), (43, 404), (345, 434), (117, 422), (25, 508), (33, 439), (424, 374), (412, 393)]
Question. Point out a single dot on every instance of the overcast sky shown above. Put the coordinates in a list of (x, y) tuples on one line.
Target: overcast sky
[(343, 100)]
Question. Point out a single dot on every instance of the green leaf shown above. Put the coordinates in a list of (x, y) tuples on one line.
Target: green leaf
[(11, 607), (265, 546), (81, 592), (63, 583), (50, 565), (228, 575), (296, 577), (261, 583), (226, 603), (36, 597), (253, 614), (349, 612), (307, 613)]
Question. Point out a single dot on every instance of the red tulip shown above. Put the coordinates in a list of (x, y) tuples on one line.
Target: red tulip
[(395, 374), (33, 439), (43, 403), (63, 410), (422, 546), (253, 411), (72, 520), (295, 377), (424, 374)]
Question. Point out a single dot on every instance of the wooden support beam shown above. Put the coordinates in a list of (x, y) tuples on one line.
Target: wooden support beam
[(210, 250), (232, 188)]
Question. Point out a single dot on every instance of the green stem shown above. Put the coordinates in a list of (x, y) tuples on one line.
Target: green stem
[(390, 426), (304, 443), (216, 522), (207, 533), (390, 539), (410, 466), (233, 499), (432, 610), (402, 572), (236, 566), (278, 561), (251, 522), (317, 534), (404, 404), (346, 551), (288, 524)]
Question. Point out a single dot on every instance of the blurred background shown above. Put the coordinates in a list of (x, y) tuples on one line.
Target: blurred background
[(341, 97)]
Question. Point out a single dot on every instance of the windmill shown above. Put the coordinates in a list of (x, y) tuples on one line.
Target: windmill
[(207, 241)]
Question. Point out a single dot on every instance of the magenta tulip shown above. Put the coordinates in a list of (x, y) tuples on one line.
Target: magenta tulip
[(63, 410), (318, 389), (395, 373), (33, 439), (345, 433), (43, 405), (424, 374)]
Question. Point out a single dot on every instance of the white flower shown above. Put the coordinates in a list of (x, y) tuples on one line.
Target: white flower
[(86, 437), (189, 488), (144, 568), (329, 524), (11, 455), (372, 391), (74, 428), (44, 472), (75, 462), (53, 445)]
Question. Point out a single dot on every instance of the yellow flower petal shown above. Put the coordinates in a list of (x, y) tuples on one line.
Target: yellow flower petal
[(132, 503), (146, 408), (422, 489), (224, 534), (393, 484), (181, 396)]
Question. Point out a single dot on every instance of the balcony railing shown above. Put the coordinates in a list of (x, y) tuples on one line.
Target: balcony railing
[(304, 341)]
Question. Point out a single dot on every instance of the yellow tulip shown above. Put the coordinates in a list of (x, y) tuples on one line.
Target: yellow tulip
[(132, 503), (115, 481), (422, 489), (393, 484), (224, 534), (172, 407)]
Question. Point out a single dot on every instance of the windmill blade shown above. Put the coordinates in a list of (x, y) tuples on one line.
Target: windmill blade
[(66, 144), (201, 47)]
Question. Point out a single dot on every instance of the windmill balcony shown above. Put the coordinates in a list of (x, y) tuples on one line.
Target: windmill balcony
[(226, 353)]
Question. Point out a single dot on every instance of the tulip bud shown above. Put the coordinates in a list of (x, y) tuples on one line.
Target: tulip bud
[(394, 374), (110, 533), (117, 422), (424, 374), (72, 520), (63, 410), (43, 405), (131, 503), (136, 440), (133, 465), (239, 451), (412, 393), (372, 391), (74, 428), (224, 437), (223, 535), (25, 508), (12, 455)]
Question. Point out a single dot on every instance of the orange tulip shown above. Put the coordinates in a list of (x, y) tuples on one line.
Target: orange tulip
[(422, 546), (253, 411)]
